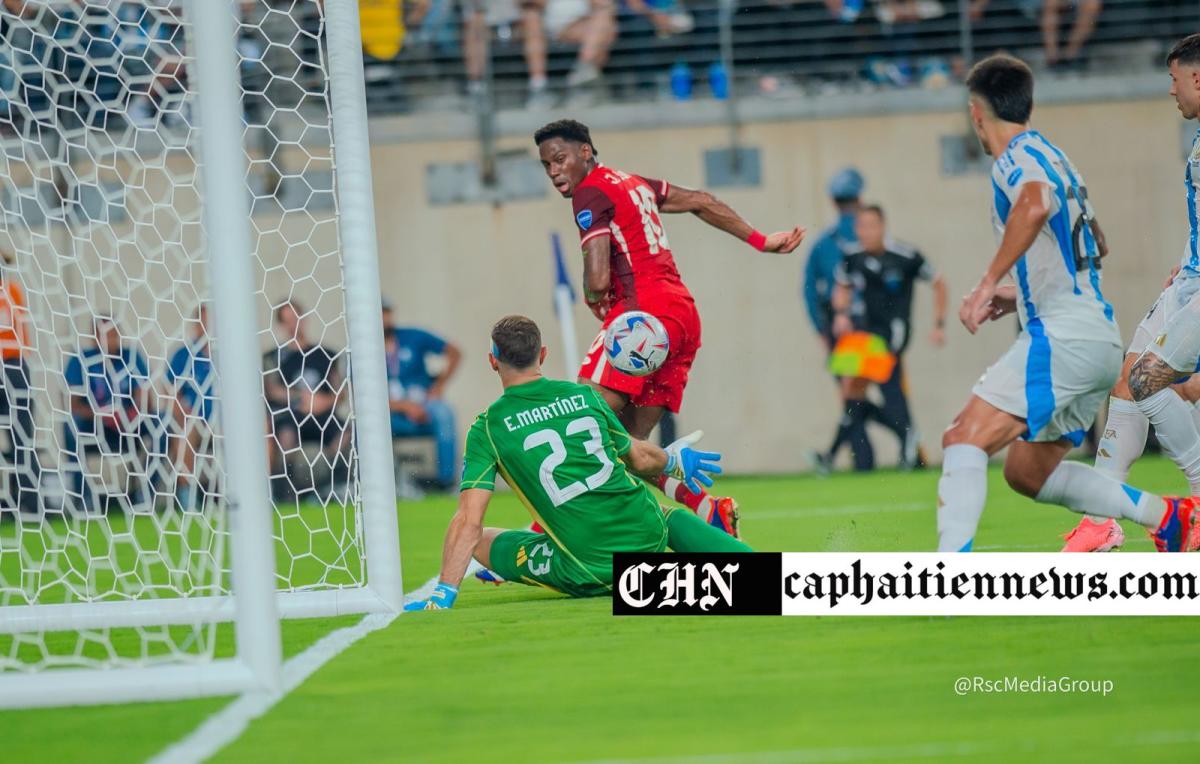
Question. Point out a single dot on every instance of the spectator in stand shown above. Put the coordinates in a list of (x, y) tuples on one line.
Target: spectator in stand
[(303, 384), (190, 374), (150, 38), (416, 396), (1049, 13), (109, 388), (20, 462), (590, 24), (668, 17)]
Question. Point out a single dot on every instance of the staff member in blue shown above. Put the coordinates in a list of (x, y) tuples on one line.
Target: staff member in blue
[(415, 395), (826, 255)]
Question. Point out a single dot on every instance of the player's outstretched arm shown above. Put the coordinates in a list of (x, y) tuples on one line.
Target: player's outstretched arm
[(679, 460), (463, 535), (720, 215), (1025, 221)]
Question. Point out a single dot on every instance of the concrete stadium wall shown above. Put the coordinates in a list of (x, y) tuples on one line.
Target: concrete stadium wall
[(759, 389)]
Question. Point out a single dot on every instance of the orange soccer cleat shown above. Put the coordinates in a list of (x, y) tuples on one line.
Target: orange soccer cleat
[(724, 515), (1178, 531)]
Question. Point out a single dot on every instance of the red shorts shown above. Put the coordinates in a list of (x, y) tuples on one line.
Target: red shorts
[(665, 386)]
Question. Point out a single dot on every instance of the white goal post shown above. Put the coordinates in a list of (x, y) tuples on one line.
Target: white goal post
[(112, 589)]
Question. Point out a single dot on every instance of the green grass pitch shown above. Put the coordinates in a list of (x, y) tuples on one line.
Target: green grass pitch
[(512, 674)]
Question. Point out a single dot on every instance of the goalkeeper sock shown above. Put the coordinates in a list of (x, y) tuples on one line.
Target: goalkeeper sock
[(697, 502), (962, 492), (687, 533), (1176, 430), (1124, 440), (1081, 488)]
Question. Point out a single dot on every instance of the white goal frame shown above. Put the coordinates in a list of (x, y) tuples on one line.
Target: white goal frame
[(255, 606)]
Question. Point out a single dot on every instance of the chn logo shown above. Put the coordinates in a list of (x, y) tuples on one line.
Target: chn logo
[(677, 585)]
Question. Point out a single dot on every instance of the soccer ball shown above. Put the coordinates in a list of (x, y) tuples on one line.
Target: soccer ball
[(636, 343)]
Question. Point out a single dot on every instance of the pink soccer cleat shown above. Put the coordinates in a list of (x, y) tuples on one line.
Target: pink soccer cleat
[(1095, 537)]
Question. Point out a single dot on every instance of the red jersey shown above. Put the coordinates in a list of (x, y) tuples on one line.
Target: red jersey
[(625, 208)]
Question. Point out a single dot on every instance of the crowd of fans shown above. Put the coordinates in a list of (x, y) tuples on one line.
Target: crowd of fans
[(592, 28), (104, 61), (99, 60)]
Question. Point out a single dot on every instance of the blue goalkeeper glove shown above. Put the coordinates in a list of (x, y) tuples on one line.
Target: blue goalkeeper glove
[(442, 599), (690, 466)]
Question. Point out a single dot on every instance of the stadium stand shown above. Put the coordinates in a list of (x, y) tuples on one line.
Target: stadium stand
[(779, 47)]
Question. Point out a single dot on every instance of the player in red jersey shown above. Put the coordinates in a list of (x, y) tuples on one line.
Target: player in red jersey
[(628, 265)]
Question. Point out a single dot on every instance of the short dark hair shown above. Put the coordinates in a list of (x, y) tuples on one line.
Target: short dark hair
[(1186, 51), (1005, 83), (873, 208), (516, 341), (568, 130), (286, 304)]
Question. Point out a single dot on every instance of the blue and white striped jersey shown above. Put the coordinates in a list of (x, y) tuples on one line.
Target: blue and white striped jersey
[(1058, 277), (1191, 252)]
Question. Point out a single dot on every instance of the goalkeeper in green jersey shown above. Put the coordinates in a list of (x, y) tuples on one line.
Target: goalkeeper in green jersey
[(559, 446)]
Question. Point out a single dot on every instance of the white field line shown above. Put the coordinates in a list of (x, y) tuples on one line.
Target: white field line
[(225, 726), (943, 750), (801, 513)]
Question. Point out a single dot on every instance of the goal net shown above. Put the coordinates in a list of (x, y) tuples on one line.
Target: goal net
[(147, 267)]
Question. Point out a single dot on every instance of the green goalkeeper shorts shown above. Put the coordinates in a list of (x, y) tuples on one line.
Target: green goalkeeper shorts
[(532, 558)]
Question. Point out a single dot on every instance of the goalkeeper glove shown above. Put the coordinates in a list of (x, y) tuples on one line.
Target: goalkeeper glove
[(442, 599), (690, 466)]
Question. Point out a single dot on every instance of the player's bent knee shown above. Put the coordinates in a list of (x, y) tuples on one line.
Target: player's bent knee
[(1023, 480), (1189, 390), (483, 550), (956, 434), (1121, 388)]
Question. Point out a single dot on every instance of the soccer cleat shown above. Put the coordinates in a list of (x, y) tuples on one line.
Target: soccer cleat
[(821, 463), (725, 516), (489, 577), (1095, 537), (1178, 531)]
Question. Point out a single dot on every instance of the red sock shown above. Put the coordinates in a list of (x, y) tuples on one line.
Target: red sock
[(697, 502)]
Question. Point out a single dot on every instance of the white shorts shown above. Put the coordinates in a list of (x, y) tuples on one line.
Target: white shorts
[(1055, 386), (1171, 330), (561, 14)]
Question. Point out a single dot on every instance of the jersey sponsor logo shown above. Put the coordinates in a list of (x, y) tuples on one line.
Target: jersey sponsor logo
[(1013, 177), (584, 219)]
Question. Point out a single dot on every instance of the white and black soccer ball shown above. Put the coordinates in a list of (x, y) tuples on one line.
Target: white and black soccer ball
[(636, 343)]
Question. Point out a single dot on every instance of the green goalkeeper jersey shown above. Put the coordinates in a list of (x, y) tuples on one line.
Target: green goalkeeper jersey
[(559, 446)]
